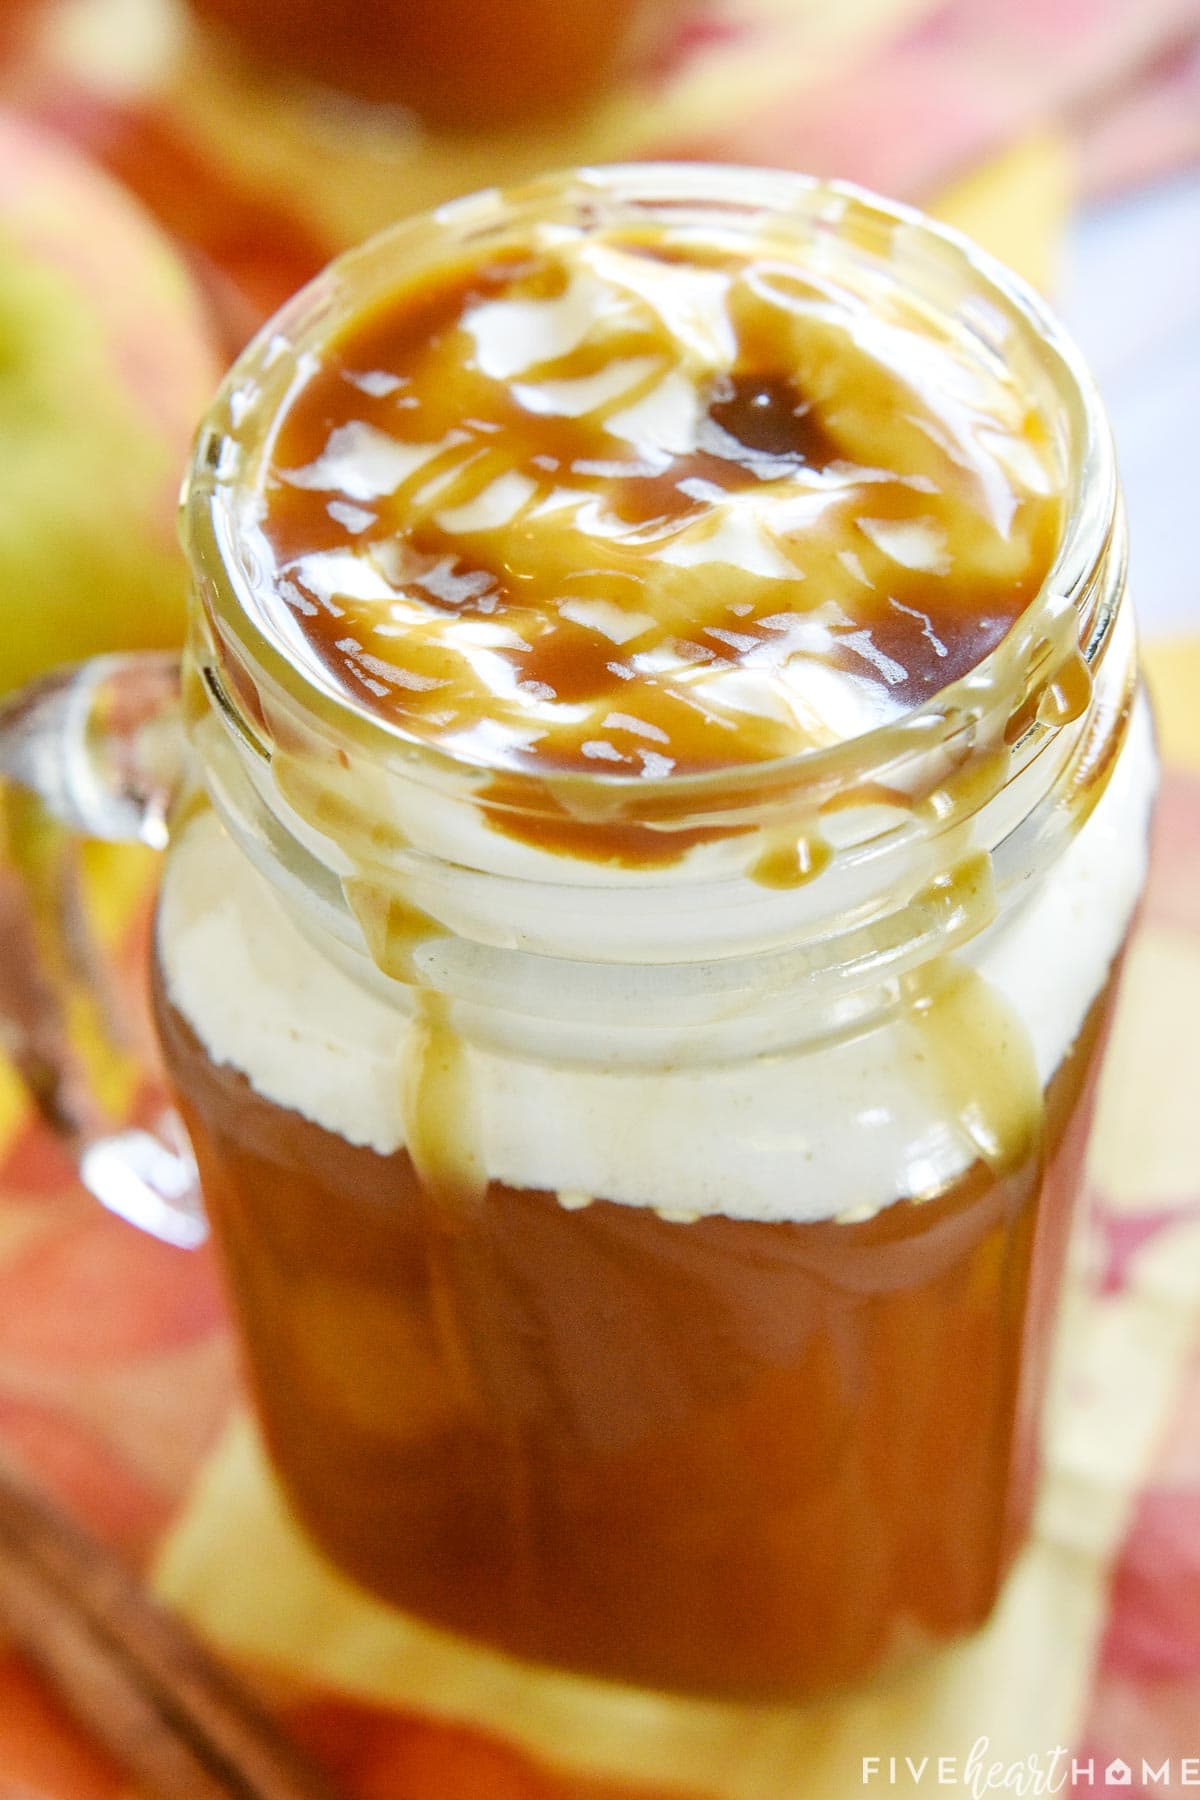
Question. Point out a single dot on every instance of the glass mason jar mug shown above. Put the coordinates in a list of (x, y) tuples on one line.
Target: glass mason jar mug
[(642, 1201)]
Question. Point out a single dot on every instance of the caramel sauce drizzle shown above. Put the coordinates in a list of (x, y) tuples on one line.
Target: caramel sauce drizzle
[(977, 1053), (642, 506), (442, 1129), (789, 860)]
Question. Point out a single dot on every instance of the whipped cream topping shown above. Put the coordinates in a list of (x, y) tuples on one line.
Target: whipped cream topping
[(836, 1130)]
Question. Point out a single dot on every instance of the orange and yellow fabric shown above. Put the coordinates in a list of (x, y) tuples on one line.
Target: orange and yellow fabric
[(118, 1386)]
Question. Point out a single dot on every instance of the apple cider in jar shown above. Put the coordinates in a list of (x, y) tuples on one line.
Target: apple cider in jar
[(671, 794)]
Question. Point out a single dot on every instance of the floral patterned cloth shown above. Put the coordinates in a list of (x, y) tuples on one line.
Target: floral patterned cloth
[(118, 1385)]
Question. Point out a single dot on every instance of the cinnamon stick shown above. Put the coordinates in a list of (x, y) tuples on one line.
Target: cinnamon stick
[(129, 1671)]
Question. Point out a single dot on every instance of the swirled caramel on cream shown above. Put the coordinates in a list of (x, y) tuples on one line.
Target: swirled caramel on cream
[(654, 504)]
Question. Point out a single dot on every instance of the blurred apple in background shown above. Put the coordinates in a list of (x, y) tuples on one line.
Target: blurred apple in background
[(16, 17), (461, 64), (106, 366)]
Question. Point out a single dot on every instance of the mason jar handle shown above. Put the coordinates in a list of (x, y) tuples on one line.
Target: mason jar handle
[(91, 751)]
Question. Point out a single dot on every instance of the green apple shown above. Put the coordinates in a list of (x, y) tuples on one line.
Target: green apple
[(106, 364)]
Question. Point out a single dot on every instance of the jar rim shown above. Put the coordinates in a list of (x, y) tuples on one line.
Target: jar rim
[(1070, 615)]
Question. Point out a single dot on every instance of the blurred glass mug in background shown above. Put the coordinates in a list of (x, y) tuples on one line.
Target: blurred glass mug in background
[(643, 1201)]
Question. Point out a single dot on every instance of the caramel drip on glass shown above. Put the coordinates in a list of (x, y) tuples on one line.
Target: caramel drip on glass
[(966, 1038), (394, 929), (440, 1112), (443, 1144), (977, 1051), (442, 1141)]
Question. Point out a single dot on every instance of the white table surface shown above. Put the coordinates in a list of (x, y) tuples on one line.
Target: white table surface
[(1131, 295)]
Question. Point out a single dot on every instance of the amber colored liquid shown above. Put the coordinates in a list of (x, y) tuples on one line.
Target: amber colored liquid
[(725, 1457)]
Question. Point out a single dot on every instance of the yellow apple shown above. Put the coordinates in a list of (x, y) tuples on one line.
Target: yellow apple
[(106, 364)]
